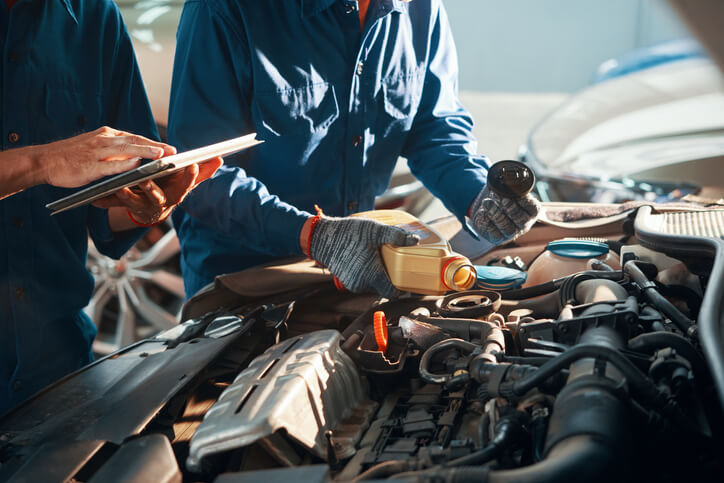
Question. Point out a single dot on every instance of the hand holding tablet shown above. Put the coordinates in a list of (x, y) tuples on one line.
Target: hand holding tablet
[(155, 169)]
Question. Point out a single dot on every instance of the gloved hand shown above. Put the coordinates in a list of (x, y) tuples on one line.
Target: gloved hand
[(350, 248), (499, 219)]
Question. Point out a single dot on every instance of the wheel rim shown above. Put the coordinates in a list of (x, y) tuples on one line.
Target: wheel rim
[(138, 295)]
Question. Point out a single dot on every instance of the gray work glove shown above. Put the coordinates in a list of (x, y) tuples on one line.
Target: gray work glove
[(350, 248), (499, 219)]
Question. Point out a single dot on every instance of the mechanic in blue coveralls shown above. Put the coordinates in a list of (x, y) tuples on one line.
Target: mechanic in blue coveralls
[(67, 67), (337, 89)]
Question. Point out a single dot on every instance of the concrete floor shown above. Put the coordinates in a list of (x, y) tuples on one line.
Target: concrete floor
[(502, 123)]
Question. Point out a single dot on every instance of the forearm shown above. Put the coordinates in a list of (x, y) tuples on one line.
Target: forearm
[(241, 207), (119, 220), (451, 173), (107, 240), (21, 169)]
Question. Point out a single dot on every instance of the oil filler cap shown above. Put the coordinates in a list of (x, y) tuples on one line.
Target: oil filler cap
[(578, 248), (499, 278), (511, 179)]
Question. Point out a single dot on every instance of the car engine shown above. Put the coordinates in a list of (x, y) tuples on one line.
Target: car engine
[(606, 373), (475, 386)]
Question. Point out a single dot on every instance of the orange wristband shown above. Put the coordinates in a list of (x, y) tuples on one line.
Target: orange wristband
[(315, 220), (144, 225)]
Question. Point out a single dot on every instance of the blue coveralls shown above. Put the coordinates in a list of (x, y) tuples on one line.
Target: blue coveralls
[(67, 67)]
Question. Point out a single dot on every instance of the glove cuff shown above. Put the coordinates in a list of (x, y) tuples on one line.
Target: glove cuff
[(313, 224)]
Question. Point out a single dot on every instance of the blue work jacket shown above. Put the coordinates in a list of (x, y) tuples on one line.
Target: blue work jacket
[(335, 105), (67, 66)]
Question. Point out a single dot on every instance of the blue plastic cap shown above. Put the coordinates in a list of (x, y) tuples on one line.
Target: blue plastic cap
[(499, 278), (578, 248)]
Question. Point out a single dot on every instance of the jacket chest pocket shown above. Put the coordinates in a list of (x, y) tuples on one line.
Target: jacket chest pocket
[(295, 121), (311, 108), (401, 95)]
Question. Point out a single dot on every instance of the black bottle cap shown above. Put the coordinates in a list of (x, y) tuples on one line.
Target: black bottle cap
[(511, 179)]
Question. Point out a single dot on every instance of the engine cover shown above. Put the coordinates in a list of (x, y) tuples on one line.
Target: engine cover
[(304, 386)]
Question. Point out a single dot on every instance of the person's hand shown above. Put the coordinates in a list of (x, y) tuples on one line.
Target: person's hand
[(499, 219), (153, 201), (87, 157), (350, 249)]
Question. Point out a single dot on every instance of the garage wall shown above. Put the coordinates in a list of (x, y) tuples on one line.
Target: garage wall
[(550, 45)]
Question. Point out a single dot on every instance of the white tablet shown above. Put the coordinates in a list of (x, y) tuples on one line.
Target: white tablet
[(155, 169)]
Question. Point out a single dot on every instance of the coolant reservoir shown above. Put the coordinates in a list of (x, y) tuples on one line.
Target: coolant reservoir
[(566, 257), (430, 267)]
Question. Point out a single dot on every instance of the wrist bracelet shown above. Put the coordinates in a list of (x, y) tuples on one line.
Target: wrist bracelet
[(315, 220), (144, 225)]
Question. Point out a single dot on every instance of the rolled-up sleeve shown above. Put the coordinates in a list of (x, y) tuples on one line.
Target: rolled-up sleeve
[(440, 147), (210, 102)]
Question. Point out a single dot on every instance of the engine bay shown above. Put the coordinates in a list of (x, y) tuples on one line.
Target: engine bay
[(608, 372)]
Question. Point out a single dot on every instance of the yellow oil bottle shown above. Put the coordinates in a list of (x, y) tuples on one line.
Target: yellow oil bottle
[(430, 267)]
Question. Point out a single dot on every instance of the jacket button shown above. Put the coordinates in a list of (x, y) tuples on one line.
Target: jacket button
[(357, 141), (18, 222), (13, 137), (352, 205), (20, 293)]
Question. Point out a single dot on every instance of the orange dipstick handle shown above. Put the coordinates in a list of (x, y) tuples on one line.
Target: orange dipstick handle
[(380, 326)]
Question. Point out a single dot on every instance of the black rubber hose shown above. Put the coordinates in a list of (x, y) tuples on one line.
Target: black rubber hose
[(489, 453), (468, 329), (534, 291), (425, 373), (600, 265), (508, 432), (538, 430), (568, 289), (634, 376), (653, 341), (483, 428), (614, 245), (682, 322), (529, 360)]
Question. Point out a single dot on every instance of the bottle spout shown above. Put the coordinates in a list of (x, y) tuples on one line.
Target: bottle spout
[(459, 274)]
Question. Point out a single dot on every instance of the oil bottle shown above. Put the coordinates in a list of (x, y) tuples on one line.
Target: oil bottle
[(430, 267)]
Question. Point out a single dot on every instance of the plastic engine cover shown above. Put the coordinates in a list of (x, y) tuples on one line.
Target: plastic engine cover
[(305, 386)]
